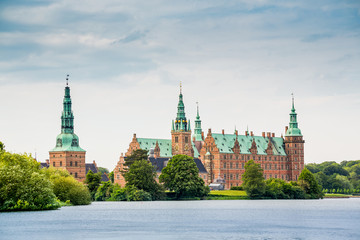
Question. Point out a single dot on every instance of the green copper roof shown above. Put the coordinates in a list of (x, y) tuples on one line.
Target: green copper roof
[(67, 140), (181, 124), (197, 129), (225, 143), (293, 129), (164, 145)]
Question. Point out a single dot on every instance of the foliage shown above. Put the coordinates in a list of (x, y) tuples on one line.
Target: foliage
[(111, 176), (2, 146), (104, 191), (240, 188), (23, 186), (67, 188), (181, 175), (309, 184), (137, 155), (141, 174), (253, 180), (130, 193), (93, 181), (280, 189), (103, 170)]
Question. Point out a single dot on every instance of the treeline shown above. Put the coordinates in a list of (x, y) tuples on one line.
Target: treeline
[(256, 187), (337, 178), (180, 177), (25, 186)]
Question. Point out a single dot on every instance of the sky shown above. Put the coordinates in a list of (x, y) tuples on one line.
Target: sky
[(241, 60)]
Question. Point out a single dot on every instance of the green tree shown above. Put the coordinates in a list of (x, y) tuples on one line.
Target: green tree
[(181, 175), (2, 146), (103, 170), (67, 188), (111, 176), (137, 155), (104, 191), (142, 174), (253, 180), (93, 181), (22, 185), (309, 184)]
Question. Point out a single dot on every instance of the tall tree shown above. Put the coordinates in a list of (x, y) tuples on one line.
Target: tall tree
[(93, 181), (309, 184), (253, 180), (181, 175), (142, 174), (137, 155)]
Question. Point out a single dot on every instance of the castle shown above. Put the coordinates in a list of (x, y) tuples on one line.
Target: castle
[(223, 156), (67, 154)]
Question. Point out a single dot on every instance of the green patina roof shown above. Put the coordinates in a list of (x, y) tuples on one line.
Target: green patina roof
[(164, 145), (225, 143), (293, 125), (67, 142)]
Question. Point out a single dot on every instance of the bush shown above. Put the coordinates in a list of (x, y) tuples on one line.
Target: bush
[(238, 188), (104, 191)]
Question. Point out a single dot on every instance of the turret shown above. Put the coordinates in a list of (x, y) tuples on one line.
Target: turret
[(197, 129)]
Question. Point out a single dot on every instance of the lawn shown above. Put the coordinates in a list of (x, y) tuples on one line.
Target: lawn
[(336, 195), (227, 195)]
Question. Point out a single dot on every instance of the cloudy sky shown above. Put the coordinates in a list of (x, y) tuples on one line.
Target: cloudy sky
[(241, 60)]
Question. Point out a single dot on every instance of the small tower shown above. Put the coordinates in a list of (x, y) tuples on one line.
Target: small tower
[(181, 132), (67, 153), (294, 146), (197, 130)]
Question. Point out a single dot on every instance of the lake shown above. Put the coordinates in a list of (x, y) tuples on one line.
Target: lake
[(231, 219)]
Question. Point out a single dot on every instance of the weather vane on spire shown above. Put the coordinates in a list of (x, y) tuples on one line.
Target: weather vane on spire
[(67, 80), (292, 95), (180, 87)]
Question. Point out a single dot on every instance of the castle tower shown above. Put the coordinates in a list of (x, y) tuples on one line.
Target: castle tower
[(197, 130), (67, 153), (181, 132), (294, 146)]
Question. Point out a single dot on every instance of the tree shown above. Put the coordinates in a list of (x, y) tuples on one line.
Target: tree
[(309, 184), (104, 191), (141, 174), (67, 188), (181, 175), (93, 181), (111, 176), (137, 155), (335, 168), (2, 146), (22, 185), (103, 170), (253, 180)]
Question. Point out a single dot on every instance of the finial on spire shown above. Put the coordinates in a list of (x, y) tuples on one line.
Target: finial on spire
[(292, 95), (180, 88), (67, 80), (197, 106)]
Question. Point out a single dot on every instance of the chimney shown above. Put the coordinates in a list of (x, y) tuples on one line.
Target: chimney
[(273, 135), (268, 134), (193, 138), (246, 133), (263, 134), (202, 135), (134, 136), (94, 163), (251, 133), (236, 132), (286, 128), (47, 161), (209, 131), (223, 132)]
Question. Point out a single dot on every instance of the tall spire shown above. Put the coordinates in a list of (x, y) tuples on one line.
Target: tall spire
[(181, 124), (293, 129), (67, 117), (197, 129)]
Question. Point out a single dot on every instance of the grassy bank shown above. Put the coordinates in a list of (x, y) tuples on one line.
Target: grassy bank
[(336, 195), (227, 195)]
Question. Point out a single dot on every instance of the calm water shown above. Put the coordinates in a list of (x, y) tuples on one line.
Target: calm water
[(269, 219)]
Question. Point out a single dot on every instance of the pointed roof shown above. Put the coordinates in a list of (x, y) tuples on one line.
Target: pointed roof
[(293, 129)]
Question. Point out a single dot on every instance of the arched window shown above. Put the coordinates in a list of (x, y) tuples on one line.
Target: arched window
[(60, 163), (76, 175), (75, 163), (70, 163)]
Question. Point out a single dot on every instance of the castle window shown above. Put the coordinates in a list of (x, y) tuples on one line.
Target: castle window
[(224, 165), (230, 156), (242, 165), (295, 151), (275, 166), (242, 157), (295, 144), (231, 176), (269, 158), (270, 176), (265, 158), (204, 176), (248, 158), (282, 177), (60, 163), (295, 159), (296, 177), (237, 157), (266, 166), (186, 139), (224, 156), (118, 176), (224, 176), (275, 176), (265, 176), (75, 163), (70, 163), (259, 158), (176, 139), (237, 176), (53, 155), (76, 175), (282, 167), (269, 166), (237, 165), (295, 166), (53, 164), (231, 165)]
